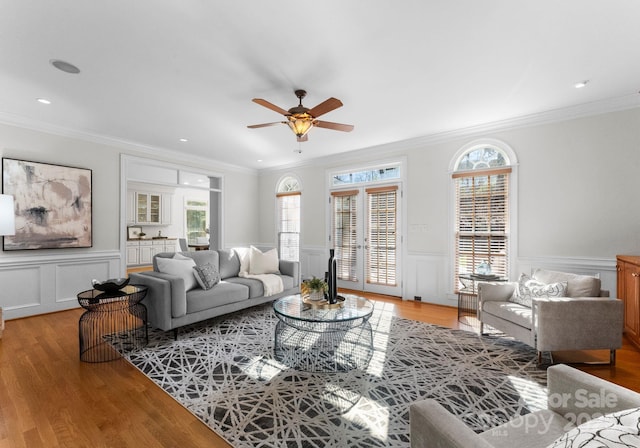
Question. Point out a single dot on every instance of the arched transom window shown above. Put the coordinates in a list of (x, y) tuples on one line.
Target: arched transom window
[(481, 182), (288, 212)]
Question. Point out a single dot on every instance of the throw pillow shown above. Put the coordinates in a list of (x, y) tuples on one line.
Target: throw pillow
[(180, 268), (243, 256), (618, 429), (577, 285), (529, 288), (263, 262), (207, 276)]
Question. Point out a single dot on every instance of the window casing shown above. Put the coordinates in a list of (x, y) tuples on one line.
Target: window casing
[(482, 213), (288, 215), (197, 220)]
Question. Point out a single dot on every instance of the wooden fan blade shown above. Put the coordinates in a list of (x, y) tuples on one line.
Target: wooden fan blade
[(264, 125), (324, 107), (271, 106), (334, 126), (304, 138)]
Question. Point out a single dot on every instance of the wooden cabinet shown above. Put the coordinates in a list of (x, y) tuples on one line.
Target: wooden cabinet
[(148, 208), (628, 289), (141, 252)]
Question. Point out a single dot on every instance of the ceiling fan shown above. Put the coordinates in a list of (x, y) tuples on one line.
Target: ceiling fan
[(301, 119)]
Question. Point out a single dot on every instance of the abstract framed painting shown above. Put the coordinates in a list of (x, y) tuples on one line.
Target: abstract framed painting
[(53, 205)]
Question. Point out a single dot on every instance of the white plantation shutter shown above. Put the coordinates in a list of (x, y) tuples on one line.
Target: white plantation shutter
[(344, 233), (289, 225), (482, 221), (381, 235)]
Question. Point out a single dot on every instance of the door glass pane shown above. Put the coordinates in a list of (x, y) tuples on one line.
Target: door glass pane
[(381, 238), (345, 236)]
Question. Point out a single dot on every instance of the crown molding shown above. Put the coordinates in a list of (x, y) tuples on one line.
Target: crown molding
[(35, 125), (551, 116), (546, 117)]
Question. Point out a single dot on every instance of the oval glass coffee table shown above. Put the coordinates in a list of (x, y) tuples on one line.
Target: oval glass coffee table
[(316, 338)]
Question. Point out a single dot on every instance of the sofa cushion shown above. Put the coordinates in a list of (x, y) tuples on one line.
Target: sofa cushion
[(256, 288), (618, 429), (223, 293), (529, 288), (229, 263), (513, 312), (577, 285), (180, 267), (263, 262), (207, 276)]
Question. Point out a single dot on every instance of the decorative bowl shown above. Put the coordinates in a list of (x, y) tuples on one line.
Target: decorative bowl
[(110, 285)]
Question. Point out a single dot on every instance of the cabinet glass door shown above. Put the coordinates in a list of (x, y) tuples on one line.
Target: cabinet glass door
[(154, 209), (142, 207)]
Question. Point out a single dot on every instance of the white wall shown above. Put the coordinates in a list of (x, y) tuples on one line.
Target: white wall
[(39, 281), (577, 182)]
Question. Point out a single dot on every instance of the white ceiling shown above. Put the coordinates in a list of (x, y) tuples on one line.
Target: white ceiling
[(154, 71)]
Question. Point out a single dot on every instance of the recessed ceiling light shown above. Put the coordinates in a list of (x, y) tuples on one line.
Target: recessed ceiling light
[(65, 66), (259, 160), (43, 100), (581, 84), (184, 140)]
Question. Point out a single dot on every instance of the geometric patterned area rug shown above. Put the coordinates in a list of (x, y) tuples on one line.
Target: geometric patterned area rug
[(224, 372)]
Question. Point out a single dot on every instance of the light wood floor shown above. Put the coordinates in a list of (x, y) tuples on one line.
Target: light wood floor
[(48, 398)]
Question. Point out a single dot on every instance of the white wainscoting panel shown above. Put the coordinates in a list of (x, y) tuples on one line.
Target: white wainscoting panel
[(20, 287), (426, 276), (36, 285), (74, 277)]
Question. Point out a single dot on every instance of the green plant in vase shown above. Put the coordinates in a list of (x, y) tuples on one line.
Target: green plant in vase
[(316, 288)]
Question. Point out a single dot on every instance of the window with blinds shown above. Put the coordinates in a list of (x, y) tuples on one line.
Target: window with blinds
[(344, 233), (482, 221), (382, 235), (289, 225)]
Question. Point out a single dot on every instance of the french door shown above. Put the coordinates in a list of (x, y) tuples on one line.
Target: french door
[(365, 236)]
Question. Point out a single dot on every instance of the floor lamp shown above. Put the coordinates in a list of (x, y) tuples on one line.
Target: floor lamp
[(7, 227), (7, 215)]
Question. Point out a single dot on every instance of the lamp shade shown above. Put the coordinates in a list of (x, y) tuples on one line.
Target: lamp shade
[(300, 123), (7, 215)]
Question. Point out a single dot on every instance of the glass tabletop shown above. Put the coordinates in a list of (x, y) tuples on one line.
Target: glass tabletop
[(354, 307)]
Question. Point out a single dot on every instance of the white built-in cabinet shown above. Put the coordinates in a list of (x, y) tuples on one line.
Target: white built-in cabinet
[(141, 252), (145, 208)]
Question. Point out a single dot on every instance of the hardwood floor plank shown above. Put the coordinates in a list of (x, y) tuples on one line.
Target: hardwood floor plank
[(48, 398)]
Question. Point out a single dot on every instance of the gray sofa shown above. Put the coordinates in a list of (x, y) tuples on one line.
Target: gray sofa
[(571, 399), (171, 306), (584, 319)]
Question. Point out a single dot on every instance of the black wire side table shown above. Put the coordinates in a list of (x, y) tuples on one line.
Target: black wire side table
[(112, 319), (468, 294)]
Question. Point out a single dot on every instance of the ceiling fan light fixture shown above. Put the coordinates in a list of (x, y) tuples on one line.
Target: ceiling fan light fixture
[(300, 123)]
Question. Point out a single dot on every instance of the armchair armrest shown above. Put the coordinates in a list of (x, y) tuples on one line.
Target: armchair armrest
[(292, 269), (585, 323), (572, 392), (434, 427), (500, 292), (166, 297)]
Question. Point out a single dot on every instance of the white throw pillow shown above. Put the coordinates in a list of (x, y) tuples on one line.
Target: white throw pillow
[(180, 266), (529, 288), (263, 262), (243, 256), (618, 429)]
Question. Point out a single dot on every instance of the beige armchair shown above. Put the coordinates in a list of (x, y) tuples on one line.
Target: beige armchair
[(584, 319), (570, 400)]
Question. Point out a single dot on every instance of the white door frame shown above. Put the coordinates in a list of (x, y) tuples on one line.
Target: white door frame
[(402, 212)]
